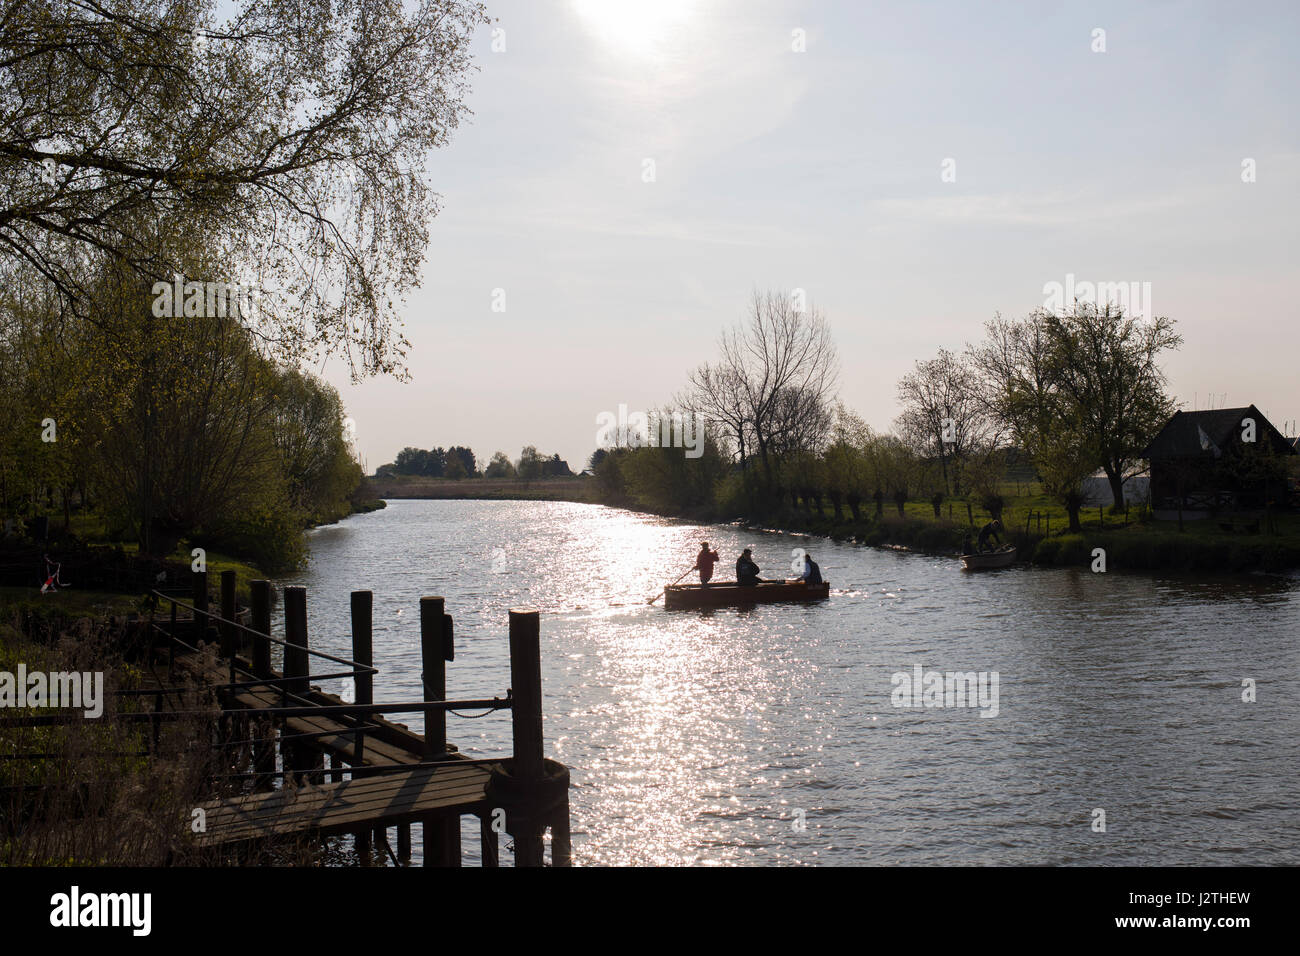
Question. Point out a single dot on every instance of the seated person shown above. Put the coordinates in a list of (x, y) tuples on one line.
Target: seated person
[(812, 574), (746, 570)]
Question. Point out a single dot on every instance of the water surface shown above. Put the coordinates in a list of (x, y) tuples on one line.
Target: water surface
[(708, 737)]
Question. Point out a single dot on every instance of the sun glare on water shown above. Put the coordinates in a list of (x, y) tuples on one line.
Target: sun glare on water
[(634, 27)]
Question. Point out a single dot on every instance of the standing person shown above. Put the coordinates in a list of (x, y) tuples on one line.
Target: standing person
[(812, 573), (746, 570), (990, 530), (704, 562)]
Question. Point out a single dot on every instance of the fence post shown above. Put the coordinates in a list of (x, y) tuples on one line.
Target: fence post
[(228, 643), (171, 645), (260, 598)]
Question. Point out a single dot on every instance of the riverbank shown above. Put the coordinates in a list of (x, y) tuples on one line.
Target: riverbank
[(1131, 542), (1144, 546), (579, 490)]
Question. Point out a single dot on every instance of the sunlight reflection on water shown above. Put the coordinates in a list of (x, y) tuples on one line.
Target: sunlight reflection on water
[(705, 737)]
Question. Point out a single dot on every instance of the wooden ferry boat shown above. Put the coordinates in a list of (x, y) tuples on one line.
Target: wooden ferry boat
[(730, 594), (1000, 558)]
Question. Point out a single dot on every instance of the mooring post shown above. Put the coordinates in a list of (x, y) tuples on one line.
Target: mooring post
[(199, 593), (228, 644), (434, 673), (259, 593), (295, 636), (526, 692), (488, 842), (404, 844), (526, 722), (561, 838), (441, 833), (295, 669), (363, 604), (260, 598)]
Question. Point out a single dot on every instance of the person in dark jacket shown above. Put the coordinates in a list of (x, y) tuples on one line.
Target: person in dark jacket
[(746, 570), (990, 530), (812, 574)]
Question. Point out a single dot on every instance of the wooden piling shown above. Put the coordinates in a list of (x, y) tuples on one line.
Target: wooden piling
[(526, 721), (488, 842), (363, 603), (260, 599), (561, 838), (228, 642), (526, 690), (404, 844), (434, 673), (199, 598), (441, 833), (295, 636)]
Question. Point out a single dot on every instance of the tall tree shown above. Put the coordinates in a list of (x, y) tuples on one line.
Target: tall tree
[(300, 132), (1105, 368), (943, 416), (777, 371)]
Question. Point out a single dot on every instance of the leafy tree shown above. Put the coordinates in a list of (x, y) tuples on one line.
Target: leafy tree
[(499, 467), (299, 132), (1104, 369), (468, 465), (529, 466)]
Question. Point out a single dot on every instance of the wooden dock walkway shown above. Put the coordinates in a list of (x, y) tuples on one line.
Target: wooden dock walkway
[(408, 796), (380, 773)]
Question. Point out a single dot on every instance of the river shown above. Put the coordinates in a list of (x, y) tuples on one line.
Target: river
[(772, 735)]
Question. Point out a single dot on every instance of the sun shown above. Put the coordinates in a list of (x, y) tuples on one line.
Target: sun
[(633, 27)]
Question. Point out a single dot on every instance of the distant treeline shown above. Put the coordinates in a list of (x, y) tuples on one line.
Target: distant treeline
[(458, 462)]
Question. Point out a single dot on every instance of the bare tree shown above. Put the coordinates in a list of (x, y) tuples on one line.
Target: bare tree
[(943, 415), (1016, 378), (772, 386)]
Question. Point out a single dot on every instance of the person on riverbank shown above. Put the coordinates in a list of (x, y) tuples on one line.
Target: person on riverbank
[(990, 530), (812, 573), (704, 562), (746, 570)]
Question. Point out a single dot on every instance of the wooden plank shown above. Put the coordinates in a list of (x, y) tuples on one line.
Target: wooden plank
[(347, 807)]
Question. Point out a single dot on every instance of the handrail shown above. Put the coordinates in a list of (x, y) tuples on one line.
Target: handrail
[(362, 668)]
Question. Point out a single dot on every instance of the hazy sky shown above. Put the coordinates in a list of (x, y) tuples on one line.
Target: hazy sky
[(823, 170)]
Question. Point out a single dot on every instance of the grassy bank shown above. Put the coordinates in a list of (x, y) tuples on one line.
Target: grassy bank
[(1038, 526)]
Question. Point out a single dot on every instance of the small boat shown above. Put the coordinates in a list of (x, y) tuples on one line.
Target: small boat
[(1000, 558), (730, 594)]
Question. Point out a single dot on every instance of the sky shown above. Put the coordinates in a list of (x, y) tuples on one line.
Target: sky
[(914, 168)]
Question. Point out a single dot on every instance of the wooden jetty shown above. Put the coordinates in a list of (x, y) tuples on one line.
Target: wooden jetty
[(380, 774)]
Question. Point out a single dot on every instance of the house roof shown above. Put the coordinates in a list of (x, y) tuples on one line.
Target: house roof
[(1205, 434)]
